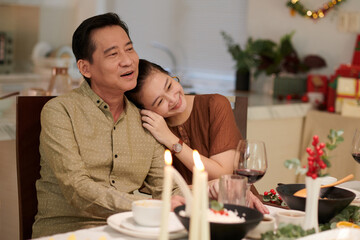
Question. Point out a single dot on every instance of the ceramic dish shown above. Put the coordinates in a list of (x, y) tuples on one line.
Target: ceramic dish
[(124, 223), (267, 224), (332, 201), (228, 231), (290, 216)]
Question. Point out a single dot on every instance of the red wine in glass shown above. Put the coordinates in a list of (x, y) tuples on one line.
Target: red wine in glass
[(355, 150), (356, 156), (252, 175)]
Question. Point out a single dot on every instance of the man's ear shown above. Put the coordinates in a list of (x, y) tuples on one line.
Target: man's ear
[(84, 67)]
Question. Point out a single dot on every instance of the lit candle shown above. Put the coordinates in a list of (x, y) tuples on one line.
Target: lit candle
[(199, 225), (205, 228), (166, 196)]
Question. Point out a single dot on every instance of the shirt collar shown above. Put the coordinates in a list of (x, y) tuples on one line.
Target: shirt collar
[(98, 101)]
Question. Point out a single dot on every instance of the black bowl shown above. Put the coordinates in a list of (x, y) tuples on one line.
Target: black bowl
[(332, 201), (224, 231)]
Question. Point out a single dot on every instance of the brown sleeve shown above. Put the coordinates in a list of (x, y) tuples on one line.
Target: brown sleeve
[(223, 132)]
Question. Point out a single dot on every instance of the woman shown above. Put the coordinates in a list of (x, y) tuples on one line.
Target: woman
[(186, 122)]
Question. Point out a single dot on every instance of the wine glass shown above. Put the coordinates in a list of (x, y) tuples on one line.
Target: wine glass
[(250, 160), (355, 150)]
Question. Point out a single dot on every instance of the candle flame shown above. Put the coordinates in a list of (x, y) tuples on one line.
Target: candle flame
[(197, 161), (167, 157)]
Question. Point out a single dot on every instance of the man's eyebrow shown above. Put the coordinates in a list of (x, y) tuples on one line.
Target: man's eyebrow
[(109, 49), (166, 82), (113, 47)]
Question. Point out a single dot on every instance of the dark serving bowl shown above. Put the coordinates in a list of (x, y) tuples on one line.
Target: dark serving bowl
[(224, 231), (332, 201)]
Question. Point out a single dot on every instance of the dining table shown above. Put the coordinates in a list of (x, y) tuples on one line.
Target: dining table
[(106, 232)]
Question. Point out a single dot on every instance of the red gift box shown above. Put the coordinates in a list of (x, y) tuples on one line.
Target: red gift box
[(351, 71), (356, 56), (317, 83)]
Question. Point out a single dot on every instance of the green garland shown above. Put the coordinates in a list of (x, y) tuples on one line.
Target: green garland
[(298, 7)]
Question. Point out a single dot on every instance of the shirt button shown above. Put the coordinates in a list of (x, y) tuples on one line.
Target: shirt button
[(116, 155), (112, 181), (105, 107), (114, 128), (98, 101)]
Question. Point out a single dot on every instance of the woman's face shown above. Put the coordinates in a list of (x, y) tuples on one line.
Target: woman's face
[(163, 95)]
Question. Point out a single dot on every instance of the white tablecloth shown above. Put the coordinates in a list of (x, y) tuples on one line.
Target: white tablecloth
[(107, 233)]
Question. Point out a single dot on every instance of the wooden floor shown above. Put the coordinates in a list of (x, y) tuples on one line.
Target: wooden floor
[(9, 214)]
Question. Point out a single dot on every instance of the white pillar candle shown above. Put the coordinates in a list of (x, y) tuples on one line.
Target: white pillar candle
[(199, 228), (166, 197), (205, 227)]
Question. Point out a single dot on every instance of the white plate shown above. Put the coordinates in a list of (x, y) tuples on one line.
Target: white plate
[(174, 225), (123, 223), (353, 186), (335, 234)]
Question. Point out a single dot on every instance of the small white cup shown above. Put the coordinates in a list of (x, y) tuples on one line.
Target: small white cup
[(267, 224), (232, 189), (147, 212), (290, 216)]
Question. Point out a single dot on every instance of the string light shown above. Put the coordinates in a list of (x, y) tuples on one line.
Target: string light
[(296, 6)]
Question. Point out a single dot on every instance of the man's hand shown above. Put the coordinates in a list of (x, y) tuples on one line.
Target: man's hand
[(177, 201)]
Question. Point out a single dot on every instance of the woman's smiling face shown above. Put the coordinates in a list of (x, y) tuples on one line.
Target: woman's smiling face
[(162, 94)]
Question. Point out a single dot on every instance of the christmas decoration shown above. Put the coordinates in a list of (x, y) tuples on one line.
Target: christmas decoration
[(296, 6)]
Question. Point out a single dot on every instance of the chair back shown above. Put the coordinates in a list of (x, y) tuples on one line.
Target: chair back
[(240, 112), (28, 128)]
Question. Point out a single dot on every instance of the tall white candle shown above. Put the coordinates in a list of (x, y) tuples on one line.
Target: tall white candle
[(205, 227), (199, 225), (166, 197)]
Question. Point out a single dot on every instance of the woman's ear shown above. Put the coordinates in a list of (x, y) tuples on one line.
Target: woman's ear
[(84, 68)]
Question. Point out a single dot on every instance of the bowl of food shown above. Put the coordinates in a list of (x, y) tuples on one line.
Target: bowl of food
[(234, 222), (332, 200), (147, 212)]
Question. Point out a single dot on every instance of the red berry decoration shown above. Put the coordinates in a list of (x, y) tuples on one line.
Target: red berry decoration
[(315, 163), (331, 109), (305, 98)]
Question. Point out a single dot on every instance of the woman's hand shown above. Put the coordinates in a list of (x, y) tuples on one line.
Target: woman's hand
[(157, 126), (254, 202), (251, 200)]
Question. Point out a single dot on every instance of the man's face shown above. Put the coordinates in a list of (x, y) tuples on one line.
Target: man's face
[(115, 62)]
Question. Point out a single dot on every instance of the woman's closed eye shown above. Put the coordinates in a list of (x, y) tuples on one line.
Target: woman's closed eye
[(159, 103)]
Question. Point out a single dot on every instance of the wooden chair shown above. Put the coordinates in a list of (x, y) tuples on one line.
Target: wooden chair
[(28, 128), (240, 113)]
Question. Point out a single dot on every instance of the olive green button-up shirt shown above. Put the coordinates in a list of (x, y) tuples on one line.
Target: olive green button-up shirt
[(90, 165)]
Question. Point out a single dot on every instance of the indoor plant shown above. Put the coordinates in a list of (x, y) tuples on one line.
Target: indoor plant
[(244, 61), (267, 57)]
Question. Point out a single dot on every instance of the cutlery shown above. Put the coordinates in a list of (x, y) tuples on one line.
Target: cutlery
[(302, 192)]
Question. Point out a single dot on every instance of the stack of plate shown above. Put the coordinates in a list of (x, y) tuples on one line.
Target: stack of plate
[(124, 223)]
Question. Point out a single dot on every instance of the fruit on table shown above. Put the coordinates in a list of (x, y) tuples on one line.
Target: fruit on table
[(345, 224)]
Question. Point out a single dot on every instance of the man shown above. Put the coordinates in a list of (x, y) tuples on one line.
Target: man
[(94, 151)]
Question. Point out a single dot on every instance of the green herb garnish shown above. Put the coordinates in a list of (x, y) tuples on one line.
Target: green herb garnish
[(215, 205)]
